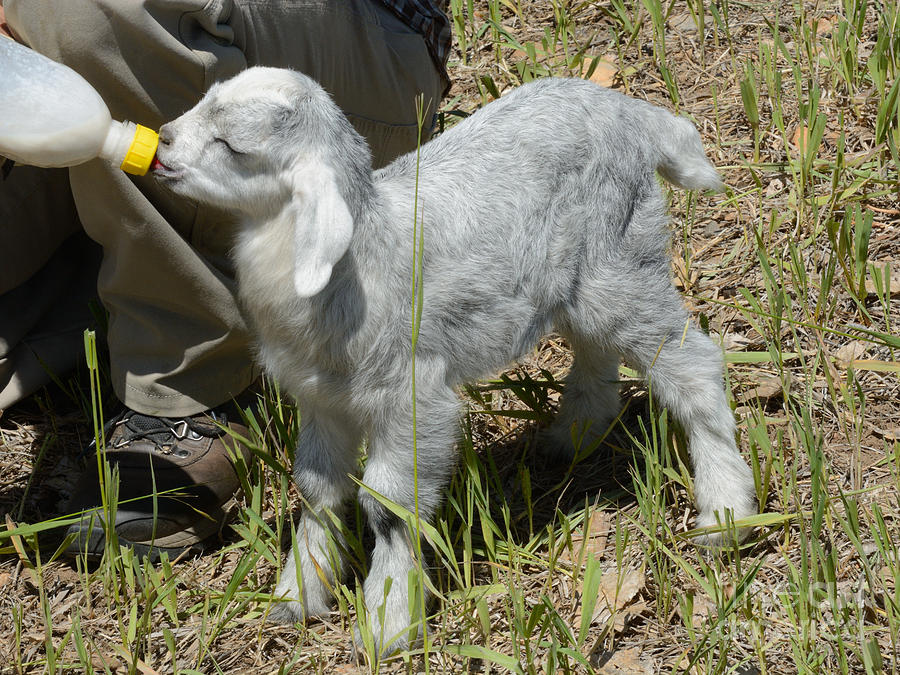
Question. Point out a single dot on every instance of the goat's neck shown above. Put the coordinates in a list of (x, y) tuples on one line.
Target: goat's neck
[(264, 258)]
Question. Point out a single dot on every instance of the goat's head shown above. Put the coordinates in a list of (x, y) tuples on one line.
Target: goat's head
[(270, 144)]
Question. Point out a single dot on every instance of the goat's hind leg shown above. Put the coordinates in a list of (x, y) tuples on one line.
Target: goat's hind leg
[(684, 368), (327, 454), (590, 401)]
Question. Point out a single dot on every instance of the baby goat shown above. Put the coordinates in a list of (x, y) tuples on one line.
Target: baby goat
[(541, 211)]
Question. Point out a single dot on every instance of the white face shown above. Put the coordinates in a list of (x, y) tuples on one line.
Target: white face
[(225, 151)]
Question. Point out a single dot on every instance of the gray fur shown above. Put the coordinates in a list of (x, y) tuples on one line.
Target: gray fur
[(541, 211)]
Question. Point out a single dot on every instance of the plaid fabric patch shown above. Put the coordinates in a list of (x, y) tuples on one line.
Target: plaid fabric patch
[(429, 18)]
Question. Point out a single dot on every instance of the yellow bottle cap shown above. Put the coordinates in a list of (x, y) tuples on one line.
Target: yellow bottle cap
[(140, 154)]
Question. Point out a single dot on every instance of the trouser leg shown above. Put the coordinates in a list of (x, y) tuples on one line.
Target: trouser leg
[(48, 273), (42, 320), (37, 214), (177, 342)]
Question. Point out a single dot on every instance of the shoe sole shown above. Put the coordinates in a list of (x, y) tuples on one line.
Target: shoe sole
[(89, 540), (90, 543)]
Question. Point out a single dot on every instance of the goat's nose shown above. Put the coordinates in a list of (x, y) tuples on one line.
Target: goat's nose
[(165, 134)]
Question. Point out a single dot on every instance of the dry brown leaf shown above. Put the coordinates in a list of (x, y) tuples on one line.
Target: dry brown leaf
[(632, 583), (728, 591), (774, 188), (113, 663), (682, 280), (824, 26), (887, 577), (893, 282), (347, 669), (604, 72), (848, 353), (683, 23), (623, 662), (608, 601), (625, 615), (590, 539), (4, 577), (735, 342), (800, 138), (702, 608), (889, 434), (746, 412), (767, 388)]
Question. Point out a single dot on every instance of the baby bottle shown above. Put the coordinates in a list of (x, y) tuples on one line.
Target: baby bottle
[(51, 117)]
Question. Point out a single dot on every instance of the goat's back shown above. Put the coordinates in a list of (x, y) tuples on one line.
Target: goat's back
[(519, 204)]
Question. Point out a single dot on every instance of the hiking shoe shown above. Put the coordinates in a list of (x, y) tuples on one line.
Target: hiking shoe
[(176, 479)]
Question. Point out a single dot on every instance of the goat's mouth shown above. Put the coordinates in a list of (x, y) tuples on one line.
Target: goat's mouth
[(163, 171)]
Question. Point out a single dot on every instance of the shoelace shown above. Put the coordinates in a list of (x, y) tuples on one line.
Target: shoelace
[(163, 432)]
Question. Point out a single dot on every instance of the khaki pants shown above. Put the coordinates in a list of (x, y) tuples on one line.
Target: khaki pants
[(178, 343)]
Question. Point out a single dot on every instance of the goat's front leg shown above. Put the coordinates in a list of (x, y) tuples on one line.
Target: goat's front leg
[(408, 478), (327, 454)]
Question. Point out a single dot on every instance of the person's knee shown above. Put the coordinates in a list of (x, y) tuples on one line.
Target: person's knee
[(69, 31)]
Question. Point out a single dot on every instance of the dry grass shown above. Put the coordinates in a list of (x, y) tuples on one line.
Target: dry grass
[(568, 569)]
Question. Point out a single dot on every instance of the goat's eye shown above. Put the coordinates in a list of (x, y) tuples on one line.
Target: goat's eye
[(228, 146)]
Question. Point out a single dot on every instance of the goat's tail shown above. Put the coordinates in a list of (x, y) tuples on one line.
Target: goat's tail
[(681, 159)]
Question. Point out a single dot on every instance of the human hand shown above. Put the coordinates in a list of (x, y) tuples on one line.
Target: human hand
[(5, 30)]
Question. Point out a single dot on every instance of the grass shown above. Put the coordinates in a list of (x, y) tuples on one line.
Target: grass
[(590, 567)]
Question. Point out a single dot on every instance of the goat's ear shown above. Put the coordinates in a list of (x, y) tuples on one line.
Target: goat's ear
[(323, 227)]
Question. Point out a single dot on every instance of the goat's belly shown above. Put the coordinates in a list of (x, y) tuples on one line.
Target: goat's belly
[(473, 352)]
